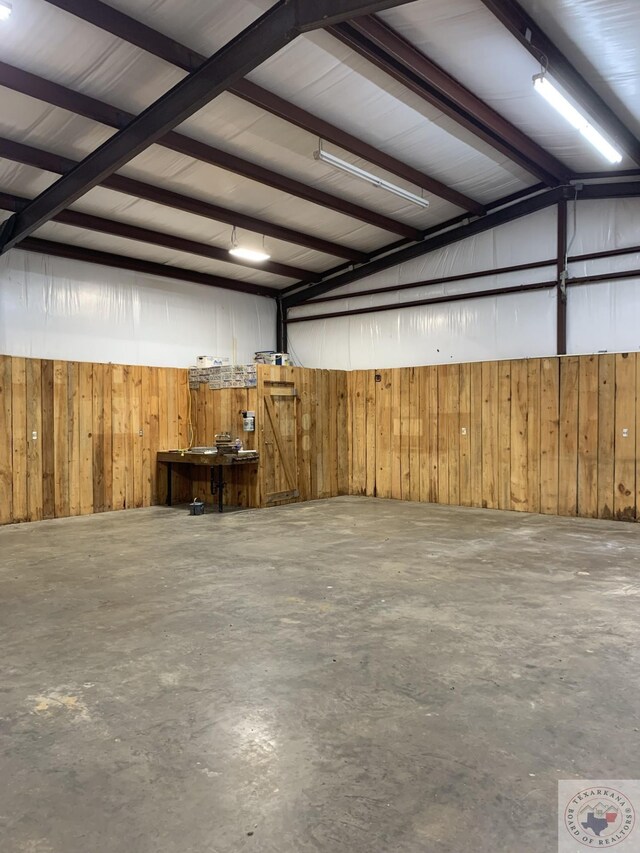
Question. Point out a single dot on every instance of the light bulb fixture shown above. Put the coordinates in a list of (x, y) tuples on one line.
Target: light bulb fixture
[(576, 119), (6, 8), (370, 178), (246, 252)]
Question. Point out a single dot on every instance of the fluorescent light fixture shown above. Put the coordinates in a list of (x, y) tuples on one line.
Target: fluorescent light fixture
[(246, 252), (332, 160), (6, 7), (552, 95)]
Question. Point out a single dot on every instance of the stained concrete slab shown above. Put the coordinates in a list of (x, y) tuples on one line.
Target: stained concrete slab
[(345, 675)]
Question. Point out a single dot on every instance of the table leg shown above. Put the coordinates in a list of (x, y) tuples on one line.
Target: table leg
[(220, 487), (169, 478)]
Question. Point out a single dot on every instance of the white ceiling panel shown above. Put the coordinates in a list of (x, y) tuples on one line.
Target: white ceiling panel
[(23, 180), (321, 75), (465, 38), (600, 38)]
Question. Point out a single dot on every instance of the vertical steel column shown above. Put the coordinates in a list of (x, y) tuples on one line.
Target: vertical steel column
[(281, 327), (561, 287)]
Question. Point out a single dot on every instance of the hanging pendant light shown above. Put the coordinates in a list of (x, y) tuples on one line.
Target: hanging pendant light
[(247, 252)]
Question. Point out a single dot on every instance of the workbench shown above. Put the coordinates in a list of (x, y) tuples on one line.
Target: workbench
[(216, 462)]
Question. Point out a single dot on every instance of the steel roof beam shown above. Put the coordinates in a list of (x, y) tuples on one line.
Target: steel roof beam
[(129, 29), (40, 159), (75, 102), (90, 222), (122, 262), (391, 256), (521, 25), (427, 245), (373, 39), (256, 43)]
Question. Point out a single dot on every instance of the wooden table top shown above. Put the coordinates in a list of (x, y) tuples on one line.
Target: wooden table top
[(210, 460)]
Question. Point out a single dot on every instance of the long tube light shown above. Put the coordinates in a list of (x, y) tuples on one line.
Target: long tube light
[(6, 7), (357, 172), (553, 96)]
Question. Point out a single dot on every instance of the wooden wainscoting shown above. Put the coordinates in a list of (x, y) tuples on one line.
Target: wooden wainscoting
[(552, 435), (308, 411), (97, 430)]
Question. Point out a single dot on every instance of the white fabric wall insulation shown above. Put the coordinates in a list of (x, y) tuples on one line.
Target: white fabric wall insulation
[(600, 316), (54, 308), (605, 316)]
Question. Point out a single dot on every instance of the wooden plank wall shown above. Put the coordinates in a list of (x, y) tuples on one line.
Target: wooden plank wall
[(555, 435), (321, 427), (97, 430), (221, 411)]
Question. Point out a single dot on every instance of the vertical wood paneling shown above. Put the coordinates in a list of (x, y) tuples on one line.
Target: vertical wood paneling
[(99, 461), (118, 423), (87, 419), (6, 462), (332, 450), (358, 432), (415, 434), (86, 437), (148, 460), (384, 422), (402, 429), (504, 435), (519, 435), (137, 438), (154, 429), (568, 451), (549, 426), (533, 434), (73, 421), (588, 436), (475, 433), (19, 437), (606, 433), (424, 454), (48, 441), (637, 436), (554, 435), (453, 434), (395, 378), (34, 439), (304, 433), (342, 448), (625, 438), (314, 473), (128, 380), (490, 458), (433, 433), (61, 437), (464, 433), (371, 430), (443, 412)]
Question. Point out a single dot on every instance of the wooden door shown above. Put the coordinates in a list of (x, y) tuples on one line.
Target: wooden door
[(280, 450)]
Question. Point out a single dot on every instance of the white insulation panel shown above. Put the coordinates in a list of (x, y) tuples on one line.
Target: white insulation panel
[(56, 308), (602, 316)]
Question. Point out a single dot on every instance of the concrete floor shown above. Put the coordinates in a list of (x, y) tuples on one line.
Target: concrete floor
[(345, 676)]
